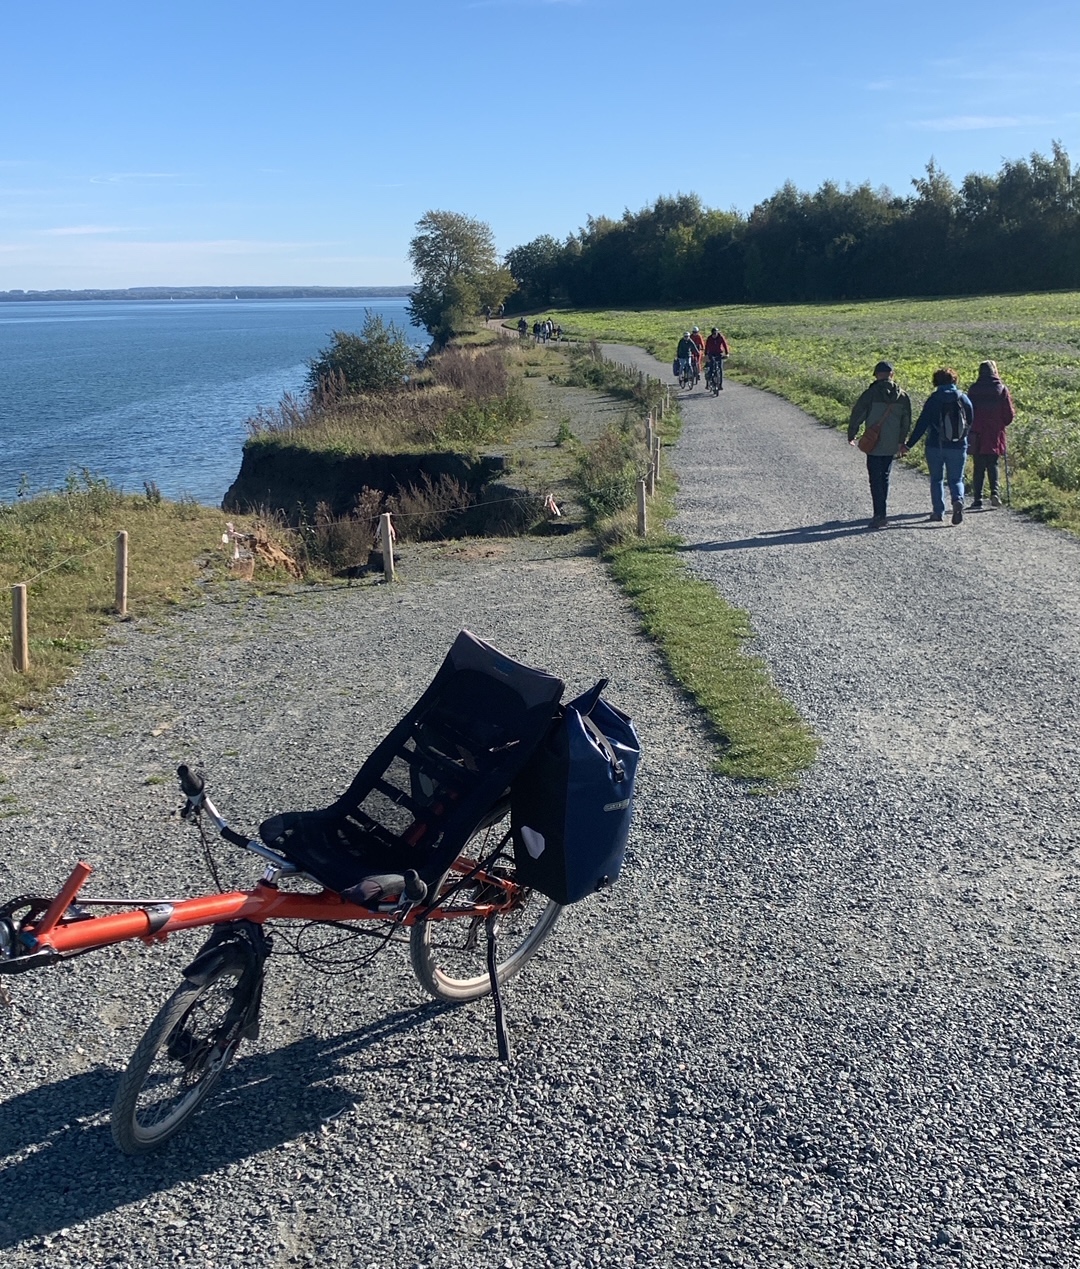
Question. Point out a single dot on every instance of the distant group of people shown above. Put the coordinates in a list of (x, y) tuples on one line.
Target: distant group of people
[(541, 331), (954, 425), (695, 352)]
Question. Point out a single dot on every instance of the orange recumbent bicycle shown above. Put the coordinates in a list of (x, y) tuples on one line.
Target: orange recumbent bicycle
[(489, 805)]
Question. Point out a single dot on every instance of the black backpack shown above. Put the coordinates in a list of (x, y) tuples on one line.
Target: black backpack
[(954, 422)]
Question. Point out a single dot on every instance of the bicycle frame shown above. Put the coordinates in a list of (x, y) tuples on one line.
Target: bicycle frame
[(64, 930)]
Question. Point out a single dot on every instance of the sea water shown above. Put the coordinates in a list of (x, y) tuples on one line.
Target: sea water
[(154, 391)]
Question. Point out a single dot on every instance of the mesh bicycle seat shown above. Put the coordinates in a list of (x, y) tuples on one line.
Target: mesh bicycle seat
[(431, 782)]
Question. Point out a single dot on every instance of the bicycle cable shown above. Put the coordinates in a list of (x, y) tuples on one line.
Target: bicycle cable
[(210, 864), (316, 958)]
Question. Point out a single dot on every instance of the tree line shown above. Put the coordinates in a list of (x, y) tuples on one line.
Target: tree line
[(1018, 230)]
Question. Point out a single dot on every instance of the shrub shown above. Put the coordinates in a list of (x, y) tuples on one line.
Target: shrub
[(341, 544), (481, 376), (376, 360), (428, 509), (607, 473)]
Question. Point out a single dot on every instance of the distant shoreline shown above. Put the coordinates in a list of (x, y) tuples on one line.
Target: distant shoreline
[(215, 293)]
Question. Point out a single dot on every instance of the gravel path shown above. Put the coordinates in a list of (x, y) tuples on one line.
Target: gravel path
[(831, 1028)]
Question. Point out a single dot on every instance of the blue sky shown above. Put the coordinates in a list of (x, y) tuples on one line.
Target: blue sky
[(236, 142)]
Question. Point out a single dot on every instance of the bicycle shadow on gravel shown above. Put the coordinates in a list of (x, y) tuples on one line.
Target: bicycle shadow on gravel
[(73, 1172), (803, 535)]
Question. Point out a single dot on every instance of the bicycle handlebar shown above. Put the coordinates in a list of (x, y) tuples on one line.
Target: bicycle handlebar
[(191, 785), (194, 789)]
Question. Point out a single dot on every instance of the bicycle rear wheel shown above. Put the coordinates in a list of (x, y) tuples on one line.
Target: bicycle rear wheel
[(181, 1058), (449, 955)]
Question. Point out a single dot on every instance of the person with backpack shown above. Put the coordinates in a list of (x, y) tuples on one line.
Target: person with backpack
[(945, 421), (994, 411), (885, 410)]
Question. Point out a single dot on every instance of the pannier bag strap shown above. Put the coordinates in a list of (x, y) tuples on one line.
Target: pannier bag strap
[(587, 703), (604, 745)]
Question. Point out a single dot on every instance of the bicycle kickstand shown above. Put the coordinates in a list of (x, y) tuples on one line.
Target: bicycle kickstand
[(501, 1035)]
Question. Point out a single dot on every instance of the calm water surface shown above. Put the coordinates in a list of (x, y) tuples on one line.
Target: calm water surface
[(157, 390)]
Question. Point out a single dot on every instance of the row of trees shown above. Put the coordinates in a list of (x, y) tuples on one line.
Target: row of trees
[(1018, 230)]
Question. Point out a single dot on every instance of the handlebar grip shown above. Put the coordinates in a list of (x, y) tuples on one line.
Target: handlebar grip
[(191, 785)]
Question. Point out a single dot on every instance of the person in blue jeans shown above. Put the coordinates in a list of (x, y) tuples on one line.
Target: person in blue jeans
[(945, 421)]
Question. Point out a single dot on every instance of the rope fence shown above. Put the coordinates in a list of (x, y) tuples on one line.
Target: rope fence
[(20, 615)]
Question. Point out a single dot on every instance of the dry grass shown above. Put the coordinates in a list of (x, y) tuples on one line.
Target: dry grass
[(63, 546), (465, 396)]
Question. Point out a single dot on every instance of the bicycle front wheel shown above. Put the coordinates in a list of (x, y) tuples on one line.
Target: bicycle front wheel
[(180, 1058), (449, 955)]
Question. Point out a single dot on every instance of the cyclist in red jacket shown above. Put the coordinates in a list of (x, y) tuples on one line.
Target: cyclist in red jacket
[(716, 348)]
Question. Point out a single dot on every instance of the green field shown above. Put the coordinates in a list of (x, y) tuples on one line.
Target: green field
[(820, 357)]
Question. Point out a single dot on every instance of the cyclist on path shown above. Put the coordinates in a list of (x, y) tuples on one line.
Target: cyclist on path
[(699, 343), (686, 352), (716, 348)]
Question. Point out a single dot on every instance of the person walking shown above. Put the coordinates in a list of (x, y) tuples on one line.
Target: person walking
[(994, 411), (945, 421), (886, 407)]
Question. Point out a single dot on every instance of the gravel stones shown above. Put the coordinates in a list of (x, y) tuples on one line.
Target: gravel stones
[(833, 1027)]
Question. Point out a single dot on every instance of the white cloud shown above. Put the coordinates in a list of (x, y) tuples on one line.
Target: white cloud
[(67, 231)]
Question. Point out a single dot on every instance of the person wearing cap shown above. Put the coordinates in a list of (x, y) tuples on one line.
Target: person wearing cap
[(716, 349), (884, 405)]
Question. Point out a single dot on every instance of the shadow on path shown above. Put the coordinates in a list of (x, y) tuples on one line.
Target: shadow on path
[(805, 534), (74, 1172)]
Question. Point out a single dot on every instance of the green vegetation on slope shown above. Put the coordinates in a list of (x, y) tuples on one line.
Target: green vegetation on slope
[(820, 356), (463, 397)]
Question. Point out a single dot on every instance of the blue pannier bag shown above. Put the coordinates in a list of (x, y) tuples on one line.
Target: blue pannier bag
[(570, 807)]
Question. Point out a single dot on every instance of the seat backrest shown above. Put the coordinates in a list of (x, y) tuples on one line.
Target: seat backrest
[(430, 783)]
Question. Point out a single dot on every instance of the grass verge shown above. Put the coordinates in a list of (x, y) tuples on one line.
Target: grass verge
[(761, 736)]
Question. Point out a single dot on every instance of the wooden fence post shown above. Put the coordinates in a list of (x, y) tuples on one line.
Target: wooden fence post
[(386, 533), (649, 433), (122, 572), (656, 458), (642, 520), (20, 641)]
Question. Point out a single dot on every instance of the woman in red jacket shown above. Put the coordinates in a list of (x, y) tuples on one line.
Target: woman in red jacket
[(994, 412)]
